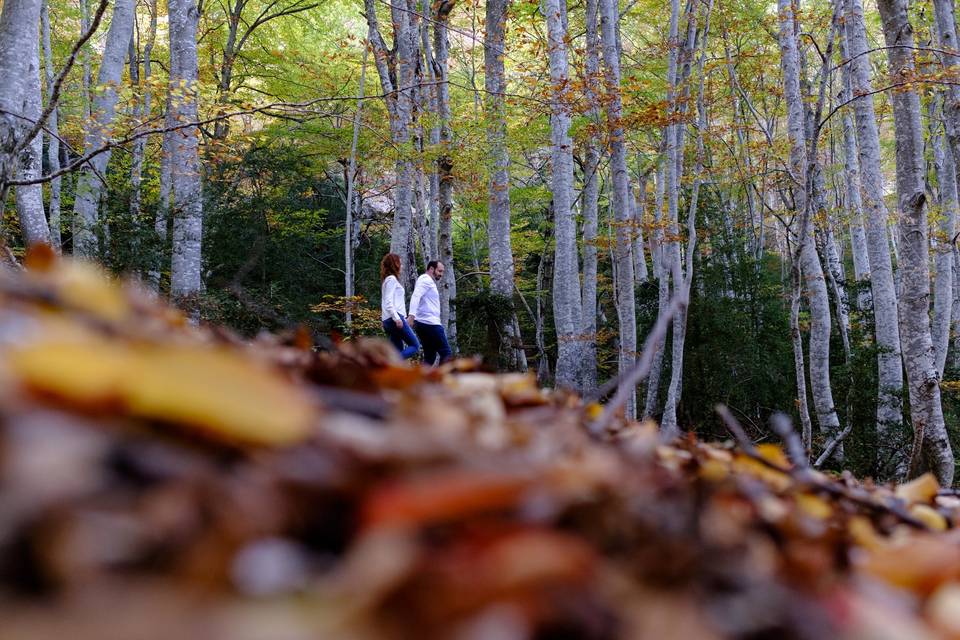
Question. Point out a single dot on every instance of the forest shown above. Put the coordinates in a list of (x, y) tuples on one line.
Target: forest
[(660, 206)]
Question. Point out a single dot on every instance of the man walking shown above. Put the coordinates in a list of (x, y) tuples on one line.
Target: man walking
[(425, 315)]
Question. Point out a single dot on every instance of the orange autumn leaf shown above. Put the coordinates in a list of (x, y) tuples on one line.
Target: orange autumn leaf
[(441, 496)]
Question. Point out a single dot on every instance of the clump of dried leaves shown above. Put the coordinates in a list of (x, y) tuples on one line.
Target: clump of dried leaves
[(163, 481)]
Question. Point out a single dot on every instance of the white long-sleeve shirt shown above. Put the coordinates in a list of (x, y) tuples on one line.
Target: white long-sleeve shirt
[(425, 301), (392, 304)]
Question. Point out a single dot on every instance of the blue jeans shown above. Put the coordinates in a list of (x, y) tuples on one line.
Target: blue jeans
[(434, 340), (399, 335)]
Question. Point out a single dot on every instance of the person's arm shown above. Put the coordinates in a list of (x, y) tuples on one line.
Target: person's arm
[(418, 292), (389, 294)]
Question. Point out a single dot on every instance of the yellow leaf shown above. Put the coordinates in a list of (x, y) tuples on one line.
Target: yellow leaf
[(929, 516), (814, 506), (922, 489), (215, 390)]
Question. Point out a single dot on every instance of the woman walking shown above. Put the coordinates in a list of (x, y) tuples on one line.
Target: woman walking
[(393, 308)]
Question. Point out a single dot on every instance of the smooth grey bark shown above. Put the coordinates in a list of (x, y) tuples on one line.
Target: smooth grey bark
[(430, 99), (837, 281), (943, 246), (914, 300), (87, 74), (142, 109), (946, 27), (955, 313), (53, 140), (29, 198), (796, 338), (661, 272), (397, 67), (18, 33), (348, 261), (622, 205), (669, 423), (448, 286), (638, 204), (498, 187), (809, 262), (185, 178), (90, 185), (876, 217), (590, 196), (666, 179), (851, 177), (566, 273)]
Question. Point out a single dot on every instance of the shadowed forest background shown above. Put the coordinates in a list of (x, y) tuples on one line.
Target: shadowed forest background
[(577, 166)]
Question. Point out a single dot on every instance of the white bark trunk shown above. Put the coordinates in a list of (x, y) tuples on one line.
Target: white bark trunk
[(498, 188), (622, 205), (448, 286), (638, 204), (53, 144), (591, 195), (809, 262), (29, 198), (851, 176), (90, 185), (400, 103), (669, 423), (943, 249), (185, 177), (18, 32), (348, 261), (883, 291), (566, 277), (142, 109), (918, 354)]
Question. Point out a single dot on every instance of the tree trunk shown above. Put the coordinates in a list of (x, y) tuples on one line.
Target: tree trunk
[(90, 185), (566, 277), (142, 110), (397, 68), (53, 142), (29, 198), (883, 291), (918, 354), (662, 273), (943, 247), (18, 33), (590, 196), (448, 286), (809, 262), (946, 28), (498, 188), (622, 209), (185, 178), (796, 338), (638, 204), (851, 177), (348, 261)]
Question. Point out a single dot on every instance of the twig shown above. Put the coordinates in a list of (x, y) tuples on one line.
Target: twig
[(807, 477), (833, 444), (783, 427), (734, 428)]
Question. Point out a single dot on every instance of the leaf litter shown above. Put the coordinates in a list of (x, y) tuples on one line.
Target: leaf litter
[(160, 480)]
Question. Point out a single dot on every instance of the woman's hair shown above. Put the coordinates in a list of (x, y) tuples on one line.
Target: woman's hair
[(390, 266)]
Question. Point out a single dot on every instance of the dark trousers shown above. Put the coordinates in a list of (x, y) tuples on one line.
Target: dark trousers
[(400, 335), (434, 341)]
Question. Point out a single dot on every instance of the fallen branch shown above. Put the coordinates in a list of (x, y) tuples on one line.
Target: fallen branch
[(812, 479)]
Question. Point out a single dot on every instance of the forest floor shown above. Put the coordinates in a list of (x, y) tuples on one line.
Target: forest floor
[(161, 480)]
